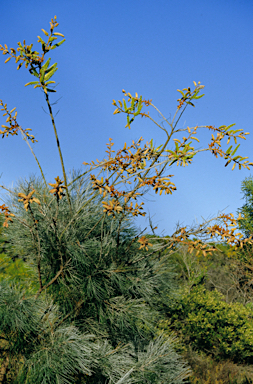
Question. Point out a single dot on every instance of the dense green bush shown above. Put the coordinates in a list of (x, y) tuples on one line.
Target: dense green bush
[(99, 317), (203, 319)]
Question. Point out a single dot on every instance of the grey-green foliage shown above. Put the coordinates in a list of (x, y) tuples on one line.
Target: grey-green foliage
[(96, 323)]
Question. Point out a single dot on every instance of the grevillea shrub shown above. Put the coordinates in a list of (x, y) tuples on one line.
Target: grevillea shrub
[(88, 311)]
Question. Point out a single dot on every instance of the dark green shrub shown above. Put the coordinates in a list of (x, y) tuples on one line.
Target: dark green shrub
[(204, 320)]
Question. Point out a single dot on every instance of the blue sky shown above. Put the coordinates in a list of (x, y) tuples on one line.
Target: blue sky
[(149, 47)]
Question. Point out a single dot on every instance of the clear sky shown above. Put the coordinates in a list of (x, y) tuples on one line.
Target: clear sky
[(149, 47)]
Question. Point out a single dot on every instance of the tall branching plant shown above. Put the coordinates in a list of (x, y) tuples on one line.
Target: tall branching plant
[(101, 284)]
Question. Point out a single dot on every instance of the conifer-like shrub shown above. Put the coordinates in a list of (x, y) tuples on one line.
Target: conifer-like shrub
[(98, 320)]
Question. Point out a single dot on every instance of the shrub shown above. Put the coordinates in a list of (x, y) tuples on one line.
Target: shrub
[(204, 320)]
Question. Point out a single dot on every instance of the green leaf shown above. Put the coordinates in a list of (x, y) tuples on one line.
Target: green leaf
[(157, 149), (139, 108), (232, 154), (45, 66), (50, 68), (173, 161), (40, 40), (52, 38), (182, 93), (35, 73), (197, 97), (125, 106), (229, 150), (132, 104), (31, 83), (42, 75), (189, 102), (51, 72), (45, 32), (58, 44), (229, 126)]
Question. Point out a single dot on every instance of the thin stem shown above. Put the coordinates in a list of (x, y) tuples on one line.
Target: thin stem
[(39, 253), (125, 376), (78, 305), (27, 142), (170, 124), (179, 116), (58, 145), (94, 226), (51, 281)]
